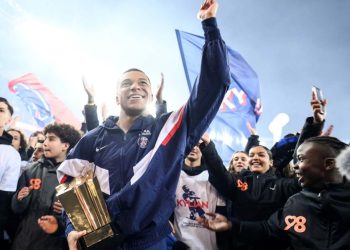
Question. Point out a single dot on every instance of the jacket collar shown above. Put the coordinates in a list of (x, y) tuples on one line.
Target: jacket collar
[(6, 138), (140, 122)]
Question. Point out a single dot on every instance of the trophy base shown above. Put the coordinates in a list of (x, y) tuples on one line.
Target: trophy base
[(102, 238), (98, 235)]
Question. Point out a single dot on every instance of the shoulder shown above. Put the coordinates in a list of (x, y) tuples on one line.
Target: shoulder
[(9, 154)]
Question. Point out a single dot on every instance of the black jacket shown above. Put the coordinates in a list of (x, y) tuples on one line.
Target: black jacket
[(42, 176), (308, 220), (254, 196)]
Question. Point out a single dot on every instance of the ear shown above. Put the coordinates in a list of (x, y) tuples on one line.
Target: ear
[(329, 163), (66, 146), (117, 100), (271, 163)]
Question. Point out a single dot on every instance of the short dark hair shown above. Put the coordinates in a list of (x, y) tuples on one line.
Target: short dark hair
[(10, 108), (135, 69), (334, 144), (36, 133), (67, 133), (268, 151)]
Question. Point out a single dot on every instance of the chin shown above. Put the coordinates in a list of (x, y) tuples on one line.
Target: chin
[(134, 112)]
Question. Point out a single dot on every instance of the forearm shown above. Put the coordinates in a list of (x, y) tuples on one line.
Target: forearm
[(19, 206), (213, 81), (91, 117), (250, 230), (161, 108), (219, 177), (310, 129), (253, 141)]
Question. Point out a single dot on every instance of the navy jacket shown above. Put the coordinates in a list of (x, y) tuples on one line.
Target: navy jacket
[(308, 220), (139, 170)]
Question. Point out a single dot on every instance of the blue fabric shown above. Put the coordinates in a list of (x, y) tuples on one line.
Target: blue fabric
[(242, 102)]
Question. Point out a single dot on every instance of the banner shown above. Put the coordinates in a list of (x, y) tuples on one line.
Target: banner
[(241, 104)]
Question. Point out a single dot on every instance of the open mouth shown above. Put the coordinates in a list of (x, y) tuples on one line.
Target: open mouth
[(300, 177), (256, 165), (135, 97)]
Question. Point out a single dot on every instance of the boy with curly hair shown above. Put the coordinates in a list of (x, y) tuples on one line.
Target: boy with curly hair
[(35, 198)]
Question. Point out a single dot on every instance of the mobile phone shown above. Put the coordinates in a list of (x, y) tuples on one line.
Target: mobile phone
[(319, 96)]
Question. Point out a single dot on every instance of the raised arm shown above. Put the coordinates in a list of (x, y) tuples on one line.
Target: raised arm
[(219, 176), (253, 139), (90, 109), (313, 125), (161, 106), (213, 80)]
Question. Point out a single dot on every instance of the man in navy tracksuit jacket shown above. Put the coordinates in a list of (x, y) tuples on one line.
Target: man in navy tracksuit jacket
[(137, 158)]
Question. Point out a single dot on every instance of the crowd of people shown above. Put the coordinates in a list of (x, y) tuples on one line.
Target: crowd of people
[(164, 182)]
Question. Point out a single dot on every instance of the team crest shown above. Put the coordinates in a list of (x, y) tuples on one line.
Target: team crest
[(142, 141)]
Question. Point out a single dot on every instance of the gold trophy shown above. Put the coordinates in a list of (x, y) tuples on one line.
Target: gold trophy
[(85, 206)]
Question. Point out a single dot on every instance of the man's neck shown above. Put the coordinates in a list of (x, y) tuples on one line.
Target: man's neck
[(125, 121), (336, 178), (192, 164)]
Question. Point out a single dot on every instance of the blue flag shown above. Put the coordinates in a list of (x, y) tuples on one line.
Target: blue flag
[(242, 103)]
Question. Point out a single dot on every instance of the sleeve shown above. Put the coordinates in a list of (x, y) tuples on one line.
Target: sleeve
[(79, 159), (289, 186), (68, 225), (282, 152), (219, 177), (9, 170), (5, 201), (210, 87), (260, 230), (310, 129), (253, 141), (91, 117), (161, 108), (20, 206)]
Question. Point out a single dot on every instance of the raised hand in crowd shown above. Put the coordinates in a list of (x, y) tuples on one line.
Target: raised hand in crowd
[(160, 87), (253, 139), (316, 105), (206, 138), (251, 130), (328, 131), (24, 192), (161, 105), (90, 91), (90, 110), (104, 111), (208, 9)]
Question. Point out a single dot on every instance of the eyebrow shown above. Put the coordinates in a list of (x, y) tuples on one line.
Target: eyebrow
[(51, 136)]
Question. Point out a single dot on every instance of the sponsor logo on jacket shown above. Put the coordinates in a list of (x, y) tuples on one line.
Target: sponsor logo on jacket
[(35, 183), (296, 223), (243, 186)]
